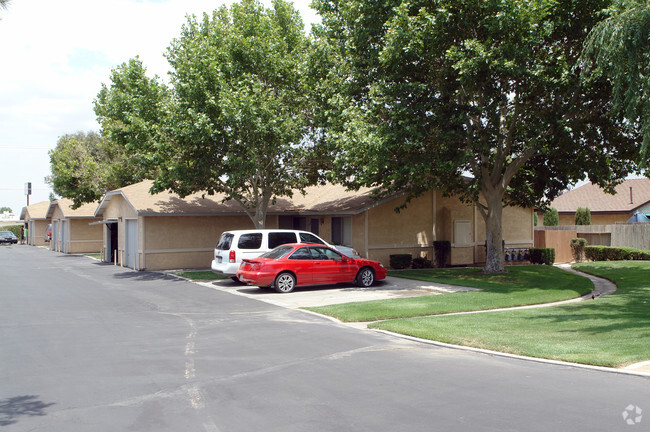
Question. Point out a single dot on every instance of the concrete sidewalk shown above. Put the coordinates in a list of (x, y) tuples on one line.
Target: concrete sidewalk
[(323, 295)]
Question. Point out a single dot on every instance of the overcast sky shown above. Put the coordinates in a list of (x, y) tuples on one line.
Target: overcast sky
[(55, 54)]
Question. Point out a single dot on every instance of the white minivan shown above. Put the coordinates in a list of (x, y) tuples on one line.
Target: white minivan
[(233, 246)]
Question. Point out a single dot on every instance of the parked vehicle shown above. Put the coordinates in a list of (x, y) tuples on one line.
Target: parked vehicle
[(236, 245), (298, 264), (48, 233), (8, 237)]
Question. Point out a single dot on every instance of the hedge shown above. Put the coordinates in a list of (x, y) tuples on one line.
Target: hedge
[(421, 263), (612, 253), (400, 261), (13, 228), (542, 256)]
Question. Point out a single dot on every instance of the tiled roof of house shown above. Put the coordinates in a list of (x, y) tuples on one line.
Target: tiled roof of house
[(317, 199), (35, 211), (65, 204), (630, 195)]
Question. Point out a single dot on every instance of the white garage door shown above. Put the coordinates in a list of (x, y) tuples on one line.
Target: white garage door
[(131, 248)]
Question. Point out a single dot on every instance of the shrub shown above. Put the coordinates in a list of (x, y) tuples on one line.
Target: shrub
[(421, 263), (551, 217), (400, 261), (583, 216), (542, 256), (442, 250), (578, 248), (611, 253), (13, 228)]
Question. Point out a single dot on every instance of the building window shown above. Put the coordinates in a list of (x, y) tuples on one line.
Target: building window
[(342, 230)]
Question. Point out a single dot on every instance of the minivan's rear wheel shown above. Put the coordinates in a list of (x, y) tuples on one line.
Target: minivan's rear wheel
[(285, 282), (366, 277)]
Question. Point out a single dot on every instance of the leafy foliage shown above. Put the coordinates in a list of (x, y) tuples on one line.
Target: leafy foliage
[(240, 106), (427, 91), (132, 112), (551, 217), (583, 216), (619, 48), (578, 246), (84, 167)]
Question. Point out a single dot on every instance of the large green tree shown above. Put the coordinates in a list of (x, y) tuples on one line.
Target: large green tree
[(240, 106), (619, 48), (480, 99), (131, 111), (83, 167)]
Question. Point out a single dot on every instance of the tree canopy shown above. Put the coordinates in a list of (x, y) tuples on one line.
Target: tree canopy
[(240, 106), (619, 48), (131, 111), (482, 100), (83, 167)]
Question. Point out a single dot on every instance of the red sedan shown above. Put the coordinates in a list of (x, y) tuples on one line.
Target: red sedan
[(297, 264)]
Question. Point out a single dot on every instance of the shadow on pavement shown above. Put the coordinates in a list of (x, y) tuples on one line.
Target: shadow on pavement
[(12, 409)]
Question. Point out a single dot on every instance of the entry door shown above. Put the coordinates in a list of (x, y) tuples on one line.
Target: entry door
[(55, 236), (131, 249)]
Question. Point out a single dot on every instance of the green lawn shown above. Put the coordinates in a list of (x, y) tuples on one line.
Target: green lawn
[(523, 285), (201, 275), (610, 331)]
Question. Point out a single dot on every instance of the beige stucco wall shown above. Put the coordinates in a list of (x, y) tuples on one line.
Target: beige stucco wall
[(433, 217), (84, 238), (183, 242), (36, 233), (410, 231), (596, 218)]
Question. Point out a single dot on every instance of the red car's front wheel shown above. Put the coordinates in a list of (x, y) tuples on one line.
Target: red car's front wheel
[(285, 282), (366, 277)]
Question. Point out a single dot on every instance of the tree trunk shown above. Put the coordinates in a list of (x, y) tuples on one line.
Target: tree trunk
[(494, 261)]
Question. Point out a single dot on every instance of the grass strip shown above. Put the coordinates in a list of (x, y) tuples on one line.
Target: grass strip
[(201, 275), (522, 285), (610, 331)]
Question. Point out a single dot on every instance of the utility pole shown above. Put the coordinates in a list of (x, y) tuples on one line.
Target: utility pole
[(28, 191)]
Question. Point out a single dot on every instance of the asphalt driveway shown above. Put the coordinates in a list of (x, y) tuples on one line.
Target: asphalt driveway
[(92, 347)]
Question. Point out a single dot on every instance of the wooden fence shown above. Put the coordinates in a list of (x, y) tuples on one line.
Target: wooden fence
[(634, 235)]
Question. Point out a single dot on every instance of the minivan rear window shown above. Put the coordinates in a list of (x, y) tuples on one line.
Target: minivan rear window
[(225, 241), (279, 238), (250, 241), (310, 238)]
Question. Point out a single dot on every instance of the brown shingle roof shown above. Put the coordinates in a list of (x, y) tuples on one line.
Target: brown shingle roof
[(35, 211), (594, 198), (317, 199), (65, 204)]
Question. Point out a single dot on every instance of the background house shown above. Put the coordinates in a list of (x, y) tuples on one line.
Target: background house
[(631, 196), (72, 229), (163, 231), (35, 218), (609, 218)]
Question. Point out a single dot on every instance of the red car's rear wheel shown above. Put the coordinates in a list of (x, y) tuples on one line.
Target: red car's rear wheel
[(285, 282)]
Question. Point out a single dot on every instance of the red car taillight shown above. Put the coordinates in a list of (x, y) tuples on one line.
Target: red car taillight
[(231, 257)]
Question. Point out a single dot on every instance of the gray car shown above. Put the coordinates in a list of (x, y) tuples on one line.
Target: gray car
[(8, 237)]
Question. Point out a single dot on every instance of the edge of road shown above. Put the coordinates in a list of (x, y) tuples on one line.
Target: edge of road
[(628, 370)]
